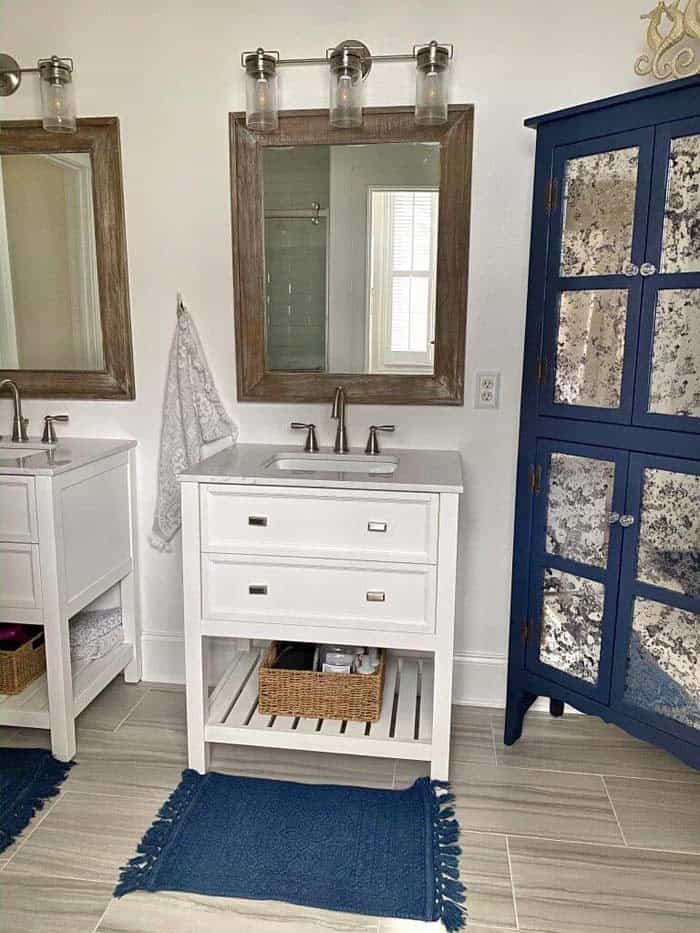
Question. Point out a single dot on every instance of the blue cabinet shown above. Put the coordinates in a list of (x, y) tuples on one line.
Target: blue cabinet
[(606, 568)]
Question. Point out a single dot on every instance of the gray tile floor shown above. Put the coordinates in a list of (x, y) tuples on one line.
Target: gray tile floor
[(578, 828)]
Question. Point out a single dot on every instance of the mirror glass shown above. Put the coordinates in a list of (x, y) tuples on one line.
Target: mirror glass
[(49, 293), (350, 257)]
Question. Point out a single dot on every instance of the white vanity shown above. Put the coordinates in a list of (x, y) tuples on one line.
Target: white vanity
[(318, 547), (66, 537)]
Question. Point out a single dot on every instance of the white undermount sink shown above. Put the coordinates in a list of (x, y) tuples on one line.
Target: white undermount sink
[(12, 450), (331, 463)]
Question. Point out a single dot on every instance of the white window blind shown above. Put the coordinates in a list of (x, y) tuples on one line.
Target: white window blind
[(403, 245)]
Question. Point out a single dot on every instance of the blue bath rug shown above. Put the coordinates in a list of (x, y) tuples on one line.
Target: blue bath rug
[(389, 853), (28, 777)]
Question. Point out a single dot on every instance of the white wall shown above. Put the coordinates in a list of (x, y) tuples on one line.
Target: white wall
[(513, 59)]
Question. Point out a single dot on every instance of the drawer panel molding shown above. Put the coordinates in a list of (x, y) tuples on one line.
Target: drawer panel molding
[(18, 509), (330, 524), (358, 594)]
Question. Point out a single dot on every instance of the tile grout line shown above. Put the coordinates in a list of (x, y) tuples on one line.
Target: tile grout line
[(132, 710), (104, 914), (32, 826), (512, 886), (617, 819)]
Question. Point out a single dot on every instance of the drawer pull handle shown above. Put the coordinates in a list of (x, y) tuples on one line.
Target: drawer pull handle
[(376, 596), (376, 526), (256, 590), (259, 520)]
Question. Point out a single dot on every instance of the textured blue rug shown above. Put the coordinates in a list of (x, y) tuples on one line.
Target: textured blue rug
[(386, 853), (28, 776)]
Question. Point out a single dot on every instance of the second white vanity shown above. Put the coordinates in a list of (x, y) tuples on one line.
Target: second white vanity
[(66, 537), (322, 547)]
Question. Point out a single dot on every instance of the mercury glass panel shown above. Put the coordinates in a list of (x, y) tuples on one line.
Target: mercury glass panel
[(669, 536), (675, 369), (571, 630), (599, 200), (579, 500), (591, 347), (681, 242), (663, 663)]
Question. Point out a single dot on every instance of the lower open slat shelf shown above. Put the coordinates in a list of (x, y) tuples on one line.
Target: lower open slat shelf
[(404, 729), (31, 707)]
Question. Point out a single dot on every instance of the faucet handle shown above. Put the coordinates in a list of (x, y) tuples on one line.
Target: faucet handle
[(311, 445), (372, 442), (49, 435)]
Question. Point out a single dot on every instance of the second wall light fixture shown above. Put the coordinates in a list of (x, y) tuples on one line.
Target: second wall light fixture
[(348, 63), (57, 89)]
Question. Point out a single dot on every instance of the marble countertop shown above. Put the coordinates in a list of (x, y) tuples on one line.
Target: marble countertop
[(254, 465), (69, 454)]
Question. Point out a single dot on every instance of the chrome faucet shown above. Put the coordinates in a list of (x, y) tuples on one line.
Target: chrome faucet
[(338, 413), (19, 424)]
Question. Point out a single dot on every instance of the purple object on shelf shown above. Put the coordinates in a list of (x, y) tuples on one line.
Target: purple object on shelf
[(13, 635)]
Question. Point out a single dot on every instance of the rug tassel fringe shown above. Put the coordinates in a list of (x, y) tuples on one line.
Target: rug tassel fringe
[(450, 893), (135, 874), (46, 783)]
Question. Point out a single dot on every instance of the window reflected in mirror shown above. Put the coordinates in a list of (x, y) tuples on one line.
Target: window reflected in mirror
[(49, 292), (350, 257)]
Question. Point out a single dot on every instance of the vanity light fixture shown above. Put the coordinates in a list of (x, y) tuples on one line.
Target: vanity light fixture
[(349, 63), (57, 89)]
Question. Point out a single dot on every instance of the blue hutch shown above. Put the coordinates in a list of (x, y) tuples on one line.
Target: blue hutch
[(606, 571)]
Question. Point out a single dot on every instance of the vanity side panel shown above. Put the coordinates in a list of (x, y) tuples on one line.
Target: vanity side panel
[(94, 505)]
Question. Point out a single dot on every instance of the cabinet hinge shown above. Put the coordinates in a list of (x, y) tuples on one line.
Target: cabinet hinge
[(535, 478), (526, 629), (551, 195), (541, 370)]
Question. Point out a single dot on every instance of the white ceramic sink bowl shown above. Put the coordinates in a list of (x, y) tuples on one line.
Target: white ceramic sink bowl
[(331, 463), (11, 450)]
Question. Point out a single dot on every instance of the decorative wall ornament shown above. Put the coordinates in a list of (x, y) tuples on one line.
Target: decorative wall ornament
[(665, 59)]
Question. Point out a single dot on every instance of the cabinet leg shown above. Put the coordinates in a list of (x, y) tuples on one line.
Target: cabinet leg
[(518, 703), (197, 703), (132, 632), (60, 688), (556, 707), (442, 716)]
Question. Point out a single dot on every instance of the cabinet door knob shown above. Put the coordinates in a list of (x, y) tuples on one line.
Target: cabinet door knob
[(258, 520), (613, 518), (626, 520), (647, 269), (257, 590), (630, 269)]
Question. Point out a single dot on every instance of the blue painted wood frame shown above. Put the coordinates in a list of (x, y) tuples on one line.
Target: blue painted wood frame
[(607, 575), (643, 139), (630, 588), (665, 135)]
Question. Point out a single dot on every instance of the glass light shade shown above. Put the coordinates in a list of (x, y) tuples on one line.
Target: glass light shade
[(345, 89), (431, 85), (57, 96), (261, 92)]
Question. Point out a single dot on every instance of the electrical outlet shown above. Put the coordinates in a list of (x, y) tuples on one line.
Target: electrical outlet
[(487, 390)]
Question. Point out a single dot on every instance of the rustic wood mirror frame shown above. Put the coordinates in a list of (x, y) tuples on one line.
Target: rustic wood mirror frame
[(99, 136), (381, 125)]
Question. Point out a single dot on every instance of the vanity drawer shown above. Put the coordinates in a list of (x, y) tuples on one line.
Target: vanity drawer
[(20, 582), (320, 523), (18, 509), (354, 594)]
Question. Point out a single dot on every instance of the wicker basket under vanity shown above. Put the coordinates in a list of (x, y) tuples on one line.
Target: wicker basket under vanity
[(355, 697), (22, 666)]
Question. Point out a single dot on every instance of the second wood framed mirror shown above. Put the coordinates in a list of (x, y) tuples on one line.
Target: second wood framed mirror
[(350, 257)]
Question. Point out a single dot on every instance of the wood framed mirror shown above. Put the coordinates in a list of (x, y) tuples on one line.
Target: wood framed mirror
[(350, 257), (65, 329)]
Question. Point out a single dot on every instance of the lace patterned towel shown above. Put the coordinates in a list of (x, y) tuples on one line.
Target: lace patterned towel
[(192, 416)]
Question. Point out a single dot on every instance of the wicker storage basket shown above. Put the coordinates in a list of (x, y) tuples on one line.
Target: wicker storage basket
[(20, 667), (357, 697)]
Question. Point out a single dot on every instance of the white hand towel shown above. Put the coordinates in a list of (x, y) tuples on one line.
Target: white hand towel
[(192, 416)]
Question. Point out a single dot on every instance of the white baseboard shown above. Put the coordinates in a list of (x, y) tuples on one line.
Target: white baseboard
[(163, 658)]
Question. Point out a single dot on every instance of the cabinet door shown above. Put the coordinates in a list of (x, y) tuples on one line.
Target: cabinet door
[(657, 663), (668, 380), (593, 292), (575, 565)]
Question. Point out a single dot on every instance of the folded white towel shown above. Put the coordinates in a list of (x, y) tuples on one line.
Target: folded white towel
[(192, 416)]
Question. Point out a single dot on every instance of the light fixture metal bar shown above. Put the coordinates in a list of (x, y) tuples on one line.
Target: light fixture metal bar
[(398, 57)]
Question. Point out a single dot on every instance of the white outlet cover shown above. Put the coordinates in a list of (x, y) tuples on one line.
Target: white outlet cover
[(487, 389)]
